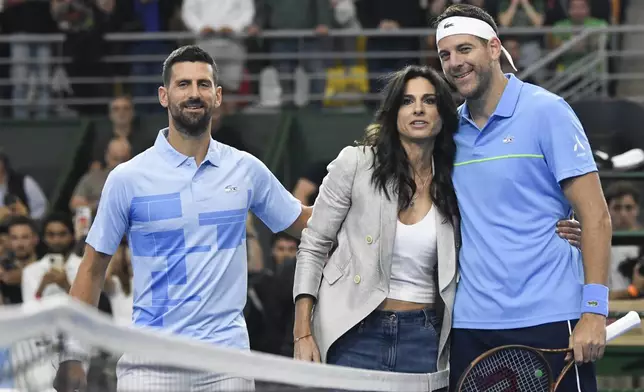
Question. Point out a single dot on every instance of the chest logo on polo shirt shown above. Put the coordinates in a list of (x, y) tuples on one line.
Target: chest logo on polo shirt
[(508, 139), (230, 188)]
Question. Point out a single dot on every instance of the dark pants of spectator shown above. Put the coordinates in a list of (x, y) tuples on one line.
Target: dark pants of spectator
[(255, 47), (86, 49), (148, 89), (5, 90)]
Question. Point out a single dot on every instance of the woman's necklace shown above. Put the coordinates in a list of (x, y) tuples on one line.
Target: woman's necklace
[(418, 189)]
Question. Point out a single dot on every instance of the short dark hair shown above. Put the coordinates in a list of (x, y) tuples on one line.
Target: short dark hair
[(58, 217), (22, 221), (468, 11), (283, 236), (188, 53), (620, 189)]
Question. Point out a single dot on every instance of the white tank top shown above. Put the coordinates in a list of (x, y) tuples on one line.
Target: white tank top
[(414, 259)]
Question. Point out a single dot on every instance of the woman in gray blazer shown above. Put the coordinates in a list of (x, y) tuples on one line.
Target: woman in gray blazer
[(377, 266), (378, 258)]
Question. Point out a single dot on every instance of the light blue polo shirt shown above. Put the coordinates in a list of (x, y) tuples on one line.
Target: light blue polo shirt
[(515, 271), (186, 227)]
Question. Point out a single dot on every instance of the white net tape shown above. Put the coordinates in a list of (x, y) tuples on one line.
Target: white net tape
[(22, 328)]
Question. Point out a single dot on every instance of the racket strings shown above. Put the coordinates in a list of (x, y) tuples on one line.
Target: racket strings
[(509, 370)]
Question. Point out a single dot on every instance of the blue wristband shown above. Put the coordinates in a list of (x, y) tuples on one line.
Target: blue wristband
[(595, 299)]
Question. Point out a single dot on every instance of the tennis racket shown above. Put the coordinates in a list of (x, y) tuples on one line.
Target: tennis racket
[(516, 368)]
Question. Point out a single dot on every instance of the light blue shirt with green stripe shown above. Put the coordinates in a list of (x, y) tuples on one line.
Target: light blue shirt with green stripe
[(515, 271)]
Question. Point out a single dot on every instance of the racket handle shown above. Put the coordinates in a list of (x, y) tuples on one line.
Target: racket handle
[(623, 325)]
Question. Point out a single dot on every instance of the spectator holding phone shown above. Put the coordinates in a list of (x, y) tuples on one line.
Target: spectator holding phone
[(55, 272)]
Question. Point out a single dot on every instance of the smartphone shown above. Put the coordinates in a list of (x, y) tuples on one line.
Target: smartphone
[(56, 261)]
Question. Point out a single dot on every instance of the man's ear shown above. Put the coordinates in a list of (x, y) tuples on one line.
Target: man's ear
[(163, 96), (494, 45), (218, 96)]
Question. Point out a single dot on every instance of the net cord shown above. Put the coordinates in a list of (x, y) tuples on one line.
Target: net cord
[(62, 314)]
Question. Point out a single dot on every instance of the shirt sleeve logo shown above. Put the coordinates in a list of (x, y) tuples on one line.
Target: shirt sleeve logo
[(579, 147)]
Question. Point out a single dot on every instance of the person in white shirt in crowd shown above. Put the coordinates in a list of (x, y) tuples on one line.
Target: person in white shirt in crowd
[(55, 272), (218, 23)]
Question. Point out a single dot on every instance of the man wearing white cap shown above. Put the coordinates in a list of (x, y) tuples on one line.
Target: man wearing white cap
[(522, 157)]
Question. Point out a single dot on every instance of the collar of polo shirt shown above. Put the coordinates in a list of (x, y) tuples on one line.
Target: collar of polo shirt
[(464, 25), (176, 158)]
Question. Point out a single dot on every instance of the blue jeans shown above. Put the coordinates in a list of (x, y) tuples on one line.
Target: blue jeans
[(402, 342)]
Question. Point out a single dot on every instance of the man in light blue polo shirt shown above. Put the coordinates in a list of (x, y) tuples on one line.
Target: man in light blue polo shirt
[(183, 205), (523, 162)]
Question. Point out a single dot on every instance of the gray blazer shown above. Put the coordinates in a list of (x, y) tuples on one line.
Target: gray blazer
[(344, 258)]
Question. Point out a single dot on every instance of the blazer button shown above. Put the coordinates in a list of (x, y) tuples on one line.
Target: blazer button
[(369, 239), (356, 279)]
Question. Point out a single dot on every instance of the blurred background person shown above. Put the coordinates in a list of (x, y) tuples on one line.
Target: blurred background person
[(54, 273), (20, 194), (623, 200), (88, 190), (632, 270), (22, 252)]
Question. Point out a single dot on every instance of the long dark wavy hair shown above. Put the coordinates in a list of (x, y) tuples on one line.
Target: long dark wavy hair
[(391, 165)]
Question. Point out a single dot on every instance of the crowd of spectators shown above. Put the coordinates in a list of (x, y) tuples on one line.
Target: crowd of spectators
[(250, 64)]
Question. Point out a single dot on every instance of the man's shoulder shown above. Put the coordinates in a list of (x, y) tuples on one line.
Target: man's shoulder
[(127, 171), (143, 157), (242, 162), (538, 97), (234, 155)]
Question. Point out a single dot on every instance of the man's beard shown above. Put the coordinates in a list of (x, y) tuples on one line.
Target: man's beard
[(484, 81), (60, 249), (191, 124)]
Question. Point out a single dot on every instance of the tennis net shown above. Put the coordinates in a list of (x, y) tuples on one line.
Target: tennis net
[(35, 337)]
